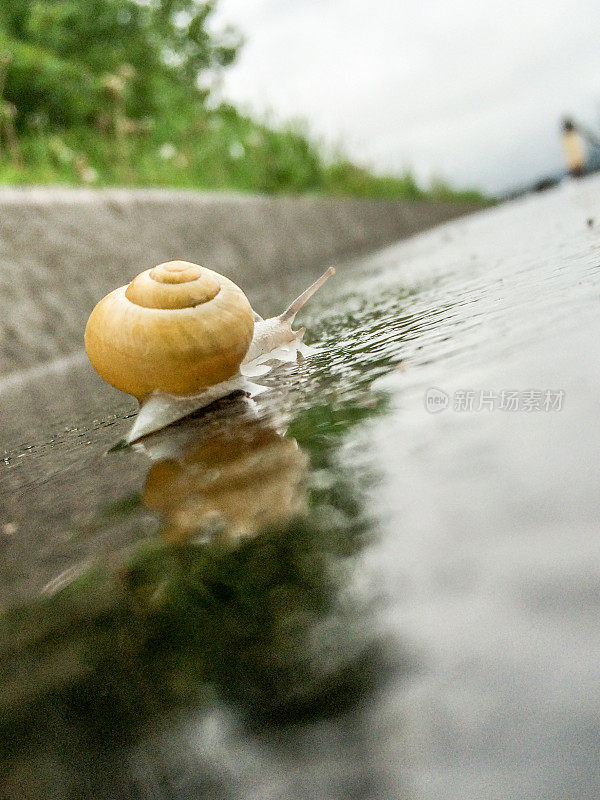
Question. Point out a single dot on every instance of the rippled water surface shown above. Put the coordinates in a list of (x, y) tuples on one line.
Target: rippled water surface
[(379, 580)]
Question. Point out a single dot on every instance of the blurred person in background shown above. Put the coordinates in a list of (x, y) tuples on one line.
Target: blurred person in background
[(573, 147), (581, 148)]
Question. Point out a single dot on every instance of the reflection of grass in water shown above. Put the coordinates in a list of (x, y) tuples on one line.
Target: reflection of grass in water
[(110, 651), (262, 626), (367, 336), (122, 507)]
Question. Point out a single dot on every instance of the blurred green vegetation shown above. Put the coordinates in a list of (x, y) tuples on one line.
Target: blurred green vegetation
[(268, 626), (107, 92)]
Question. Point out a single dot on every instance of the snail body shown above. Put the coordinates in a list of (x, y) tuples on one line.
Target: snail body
[(176, 337)]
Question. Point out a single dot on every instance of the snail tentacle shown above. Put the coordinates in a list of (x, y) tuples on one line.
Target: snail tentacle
[(277, 333), (291, 311)]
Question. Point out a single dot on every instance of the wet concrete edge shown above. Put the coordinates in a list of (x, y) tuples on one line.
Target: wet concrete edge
[(62, 249)]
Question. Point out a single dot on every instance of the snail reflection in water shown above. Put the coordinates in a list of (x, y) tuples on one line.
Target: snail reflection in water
[(181, 336), (232, 482)]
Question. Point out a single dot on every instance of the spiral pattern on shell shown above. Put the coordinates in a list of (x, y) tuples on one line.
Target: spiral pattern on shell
[(176, 328)]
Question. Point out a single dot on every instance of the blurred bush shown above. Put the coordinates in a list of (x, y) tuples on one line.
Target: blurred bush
[(106, 92), (62, 51)]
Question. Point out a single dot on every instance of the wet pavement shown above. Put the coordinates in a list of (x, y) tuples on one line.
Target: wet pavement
[(379, 579)]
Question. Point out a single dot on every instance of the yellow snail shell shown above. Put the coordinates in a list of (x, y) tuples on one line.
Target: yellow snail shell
[(177, 328)]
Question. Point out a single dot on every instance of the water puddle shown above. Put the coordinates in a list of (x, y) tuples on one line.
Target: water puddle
[(343, 587)]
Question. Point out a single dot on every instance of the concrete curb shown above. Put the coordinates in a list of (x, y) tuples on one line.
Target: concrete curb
[(62, 249)]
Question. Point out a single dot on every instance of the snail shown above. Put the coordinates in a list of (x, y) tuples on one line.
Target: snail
[(180, 336)]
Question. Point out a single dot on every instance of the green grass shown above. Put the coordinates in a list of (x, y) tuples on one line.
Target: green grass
[(216, 150)]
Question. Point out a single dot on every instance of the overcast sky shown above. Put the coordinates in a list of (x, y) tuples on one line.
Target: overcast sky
[(471, 91)]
